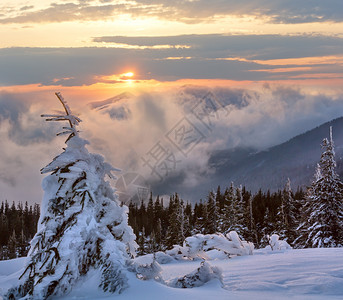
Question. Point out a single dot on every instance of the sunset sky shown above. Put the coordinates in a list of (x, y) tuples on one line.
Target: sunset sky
[(284, 58)]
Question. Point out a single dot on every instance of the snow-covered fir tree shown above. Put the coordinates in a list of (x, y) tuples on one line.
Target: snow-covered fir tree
[(323, 218), (232, 216), (212, 214), (266, 229), (286, 219), (251, 234), (12, 246), (304, 204), (238, 213), (200, 217), (82, 227), (150, 215), (158, 235), (176, 229), (226, 214), (142, 242)]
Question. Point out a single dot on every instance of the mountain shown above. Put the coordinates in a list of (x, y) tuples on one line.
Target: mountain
[(100, 105), (295, 159), (270, 169)]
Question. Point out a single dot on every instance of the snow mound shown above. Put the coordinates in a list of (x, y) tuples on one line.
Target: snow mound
[(230, 244), (146, 267), (275, 244), (163, 258), (197, 246), (197, 278)]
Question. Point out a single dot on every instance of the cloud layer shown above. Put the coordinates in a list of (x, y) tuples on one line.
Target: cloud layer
[(274, 11), (129, 130), (263, 57)]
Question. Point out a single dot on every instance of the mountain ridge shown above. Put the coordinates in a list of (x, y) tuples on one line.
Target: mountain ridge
[(295, 158)]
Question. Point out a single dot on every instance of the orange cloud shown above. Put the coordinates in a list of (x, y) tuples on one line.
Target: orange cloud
[(283, 70), (314, 60)]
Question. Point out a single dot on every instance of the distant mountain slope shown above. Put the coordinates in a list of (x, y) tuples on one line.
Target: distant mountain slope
[(269, 169), (99, 105)]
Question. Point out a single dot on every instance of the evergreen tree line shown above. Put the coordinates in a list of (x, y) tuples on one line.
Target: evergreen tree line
[(160, 227), (18, 225)]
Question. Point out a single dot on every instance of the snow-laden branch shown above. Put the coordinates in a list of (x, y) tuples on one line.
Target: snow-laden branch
[(67, 116)]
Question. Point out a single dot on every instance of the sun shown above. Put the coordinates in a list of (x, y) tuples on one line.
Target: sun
[(128, 74), (127, 77)]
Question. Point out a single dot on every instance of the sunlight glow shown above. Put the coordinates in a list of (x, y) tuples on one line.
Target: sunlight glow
[(128, 74), (117, 78)]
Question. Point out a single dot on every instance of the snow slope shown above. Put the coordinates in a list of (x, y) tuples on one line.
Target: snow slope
[(291, 274)]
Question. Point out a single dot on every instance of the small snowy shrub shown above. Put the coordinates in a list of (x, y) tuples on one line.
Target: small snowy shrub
[(276, 244), (146, 268), (178, 252), (197, 278), (163, 258)]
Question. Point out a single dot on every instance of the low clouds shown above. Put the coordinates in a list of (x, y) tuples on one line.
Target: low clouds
[(263, 57), (273, 11), (119, 113), (23, 128), (127, 128), (226, 117), (11, 108), (245, 118)]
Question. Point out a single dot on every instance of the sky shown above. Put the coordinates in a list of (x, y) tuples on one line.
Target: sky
[(236, 73)]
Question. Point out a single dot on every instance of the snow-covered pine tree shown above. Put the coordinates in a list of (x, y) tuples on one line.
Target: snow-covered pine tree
[(181, 220), (212, 214), (142, 242), (200, 217), (150, 216), (227, 215), (22, 244), (81, 227), (12, 246), (323, 222), (187, 228), (238, 223), (176, 229), (158, 216), (304, 204), (250, 234), (158, 235), (266, 229), (286, 220), (219, 200)]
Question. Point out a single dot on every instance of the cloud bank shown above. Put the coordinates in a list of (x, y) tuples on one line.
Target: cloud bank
[(128, 131), (274, 11), (215, 56)]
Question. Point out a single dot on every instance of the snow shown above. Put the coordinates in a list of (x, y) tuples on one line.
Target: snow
[(197, 245), (284, 274), (276, 244)]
